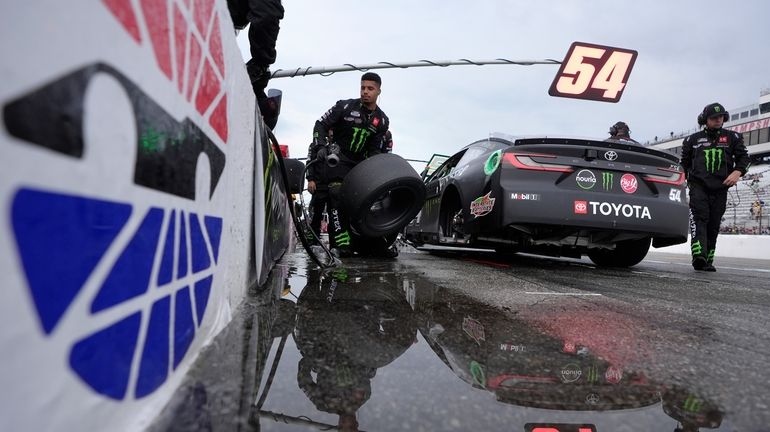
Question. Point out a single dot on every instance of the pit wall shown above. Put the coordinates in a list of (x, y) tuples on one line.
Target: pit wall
[(730, 246), (132, 194)]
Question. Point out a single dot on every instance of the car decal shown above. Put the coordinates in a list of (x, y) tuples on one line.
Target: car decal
[(586, 179), (607, 180), (612, 209), (525, 196), (483, 205), (493, 161), (629, 183)]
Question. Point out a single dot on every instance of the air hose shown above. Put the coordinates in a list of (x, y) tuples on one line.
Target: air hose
[(294, 217)]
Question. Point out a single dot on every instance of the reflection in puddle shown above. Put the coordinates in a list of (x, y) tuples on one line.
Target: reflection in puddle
[(348, 326), (363, 347), (522, 364)]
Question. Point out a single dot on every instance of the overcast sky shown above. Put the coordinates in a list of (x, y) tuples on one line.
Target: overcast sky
[(691, 53)]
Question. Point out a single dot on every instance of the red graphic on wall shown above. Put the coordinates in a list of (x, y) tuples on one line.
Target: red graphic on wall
[(187, 31)]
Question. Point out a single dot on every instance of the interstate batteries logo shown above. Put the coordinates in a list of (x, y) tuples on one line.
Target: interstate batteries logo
[(482, 206), (113, 271)]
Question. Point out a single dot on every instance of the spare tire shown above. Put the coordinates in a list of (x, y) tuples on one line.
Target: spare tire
[(381, 195)]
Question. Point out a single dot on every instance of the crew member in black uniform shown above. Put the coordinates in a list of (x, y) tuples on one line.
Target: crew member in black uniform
[(318, 186), (358, 131), (713, 161), (387, 143), (621, 132), (264, 17)]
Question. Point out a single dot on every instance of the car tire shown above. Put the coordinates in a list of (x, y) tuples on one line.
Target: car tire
[(386, 181), (450, 205), (626, 254)]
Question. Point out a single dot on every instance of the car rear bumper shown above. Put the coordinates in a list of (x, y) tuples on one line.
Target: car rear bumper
[(656, 215)]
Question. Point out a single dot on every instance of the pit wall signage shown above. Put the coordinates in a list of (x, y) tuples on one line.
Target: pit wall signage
[(124, 224)]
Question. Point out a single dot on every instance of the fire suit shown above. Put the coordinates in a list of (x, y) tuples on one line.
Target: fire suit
[(316, 171), (264, 17), (708, 157), (357, 133)]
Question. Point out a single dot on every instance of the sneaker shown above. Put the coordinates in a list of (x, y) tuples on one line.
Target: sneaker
[(390, 252), (710, 268), (699, 263)]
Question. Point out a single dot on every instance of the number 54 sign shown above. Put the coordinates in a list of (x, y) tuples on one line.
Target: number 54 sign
[(593, 72)]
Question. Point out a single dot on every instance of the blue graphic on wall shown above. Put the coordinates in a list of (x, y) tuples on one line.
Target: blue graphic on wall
[(62, 239)]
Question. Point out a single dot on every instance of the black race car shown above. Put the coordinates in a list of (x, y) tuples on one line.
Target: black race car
[(555, 196)]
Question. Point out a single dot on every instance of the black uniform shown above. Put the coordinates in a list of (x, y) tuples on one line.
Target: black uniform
[(708, 157), (264, 17), (622, 139), (316, 171), (357, 133)]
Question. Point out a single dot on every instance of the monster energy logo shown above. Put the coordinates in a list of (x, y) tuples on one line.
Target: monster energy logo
[(593, 375), (344, 376), (692, 404), (710, 258), (477, 372), (342, 239), (153, 141), (607, 180), (713, 159), (360, 136), (696, 247), (340, 274)]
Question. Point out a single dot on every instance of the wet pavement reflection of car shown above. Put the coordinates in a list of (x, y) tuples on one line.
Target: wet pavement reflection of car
[(368, 347)]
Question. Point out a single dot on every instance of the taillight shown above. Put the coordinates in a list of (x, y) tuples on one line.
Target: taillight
[(669, 176), (525, 161)]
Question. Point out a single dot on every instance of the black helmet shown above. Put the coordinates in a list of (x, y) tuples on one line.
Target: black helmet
[(713, 110)]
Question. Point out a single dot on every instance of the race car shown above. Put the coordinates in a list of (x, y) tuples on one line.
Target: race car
[(555, 196)]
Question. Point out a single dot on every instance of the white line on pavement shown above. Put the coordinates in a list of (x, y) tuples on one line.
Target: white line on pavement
[(567, 294), (718, 267)]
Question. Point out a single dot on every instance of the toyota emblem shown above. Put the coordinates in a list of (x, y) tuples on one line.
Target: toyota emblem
[(611, 155)]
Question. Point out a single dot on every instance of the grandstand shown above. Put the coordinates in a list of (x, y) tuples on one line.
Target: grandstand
[(753, 188)]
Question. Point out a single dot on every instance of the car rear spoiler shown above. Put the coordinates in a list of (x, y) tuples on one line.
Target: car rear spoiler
[(615, 145)]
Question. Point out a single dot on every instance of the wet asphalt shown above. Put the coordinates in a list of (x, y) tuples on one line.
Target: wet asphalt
[(450, 340)]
